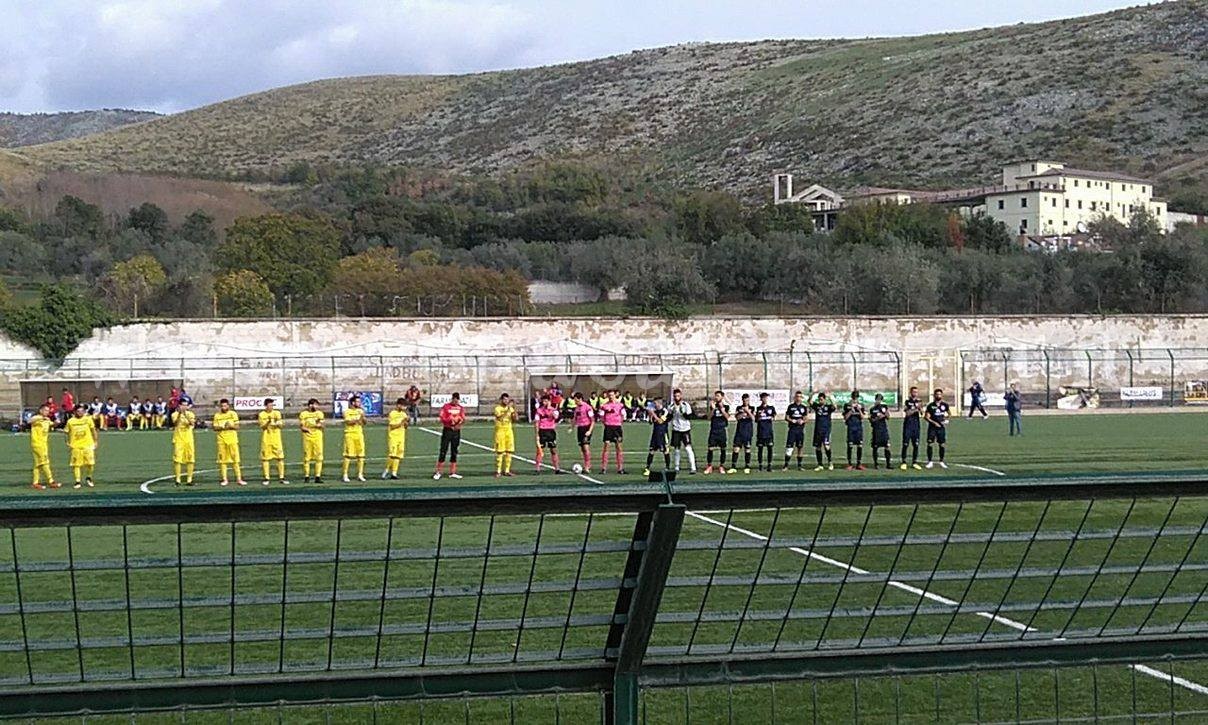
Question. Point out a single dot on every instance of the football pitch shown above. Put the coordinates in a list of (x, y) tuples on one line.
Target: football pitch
[(113, 603)]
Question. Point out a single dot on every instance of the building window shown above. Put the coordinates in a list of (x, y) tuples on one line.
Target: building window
[(1092, 206), (1067, 203), (1075, 182), (1054, 201), (1023, 225), (1050, 223), (1065, 222), (1023, 202), (1000, 204), (1033, 167)]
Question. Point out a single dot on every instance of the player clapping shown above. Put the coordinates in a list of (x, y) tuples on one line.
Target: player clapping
[(853, 415), (612, 411), (545, 423), (719, 426), (878, 415), (452, 417), (937, 427)]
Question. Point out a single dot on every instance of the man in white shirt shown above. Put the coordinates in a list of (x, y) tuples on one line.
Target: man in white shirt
[(680, 412)]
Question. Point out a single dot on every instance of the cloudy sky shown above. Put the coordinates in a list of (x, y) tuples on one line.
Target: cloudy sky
[(169, 55)]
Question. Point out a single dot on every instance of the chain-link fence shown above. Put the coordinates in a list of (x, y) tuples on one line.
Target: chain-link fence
[(480, 379), (1092, 378)]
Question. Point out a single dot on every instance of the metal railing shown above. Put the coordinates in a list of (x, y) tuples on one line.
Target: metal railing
[(636, 593), (1095, 378)]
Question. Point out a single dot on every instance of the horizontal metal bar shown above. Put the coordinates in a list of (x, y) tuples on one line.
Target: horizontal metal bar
[(329, 688), (834, 663), (530, 500)]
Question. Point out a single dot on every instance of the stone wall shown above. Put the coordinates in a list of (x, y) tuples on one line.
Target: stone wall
[(300, 358)]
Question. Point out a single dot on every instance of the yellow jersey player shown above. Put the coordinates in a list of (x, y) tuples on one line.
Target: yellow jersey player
[(396, 438), (81, 440), (184, 453), (354, 437), (226, 426), (271, 447), (40, 426), (311, 423), (505, 438)]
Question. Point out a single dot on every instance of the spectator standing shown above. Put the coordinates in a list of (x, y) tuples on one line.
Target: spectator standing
[(66, 404), (413, 396), (1014, 403), (977, 400)]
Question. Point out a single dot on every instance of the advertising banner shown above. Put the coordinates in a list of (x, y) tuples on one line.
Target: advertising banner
[(469, 400), (256, 402), (371, 401), (1150, 393)]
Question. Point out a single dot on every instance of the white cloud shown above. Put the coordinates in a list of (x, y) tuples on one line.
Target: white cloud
[(173, 54)]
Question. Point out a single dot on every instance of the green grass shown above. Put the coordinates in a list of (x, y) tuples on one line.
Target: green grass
[(710, 605)]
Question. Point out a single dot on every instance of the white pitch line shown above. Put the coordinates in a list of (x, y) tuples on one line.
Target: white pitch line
[(1167, 677), (980, 468), (1143, 669), (469, 442)]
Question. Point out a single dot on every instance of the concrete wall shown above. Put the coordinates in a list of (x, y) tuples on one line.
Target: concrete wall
[(300, 358), (543, 292)]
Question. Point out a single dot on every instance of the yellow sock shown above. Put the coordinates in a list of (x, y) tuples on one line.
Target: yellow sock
[(361, 467), (507, 462), (189, 472), (176, 470), (319, 468), (281, 468), (347, 463), (238, 472), (305, 469), (498, 463), (222, 469), (37, 475), (88, 471), (75, 470), (264, 467)]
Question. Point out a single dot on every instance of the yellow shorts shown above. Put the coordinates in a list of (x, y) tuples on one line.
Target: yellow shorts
[(396, 448), (228, 452), (83, 456), (312, 449), (41, 457), (505, 442), (184, 453), (354, 447), (271, 451)]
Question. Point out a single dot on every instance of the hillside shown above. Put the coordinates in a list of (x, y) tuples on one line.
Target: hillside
[(1127, 89), (28, 129)]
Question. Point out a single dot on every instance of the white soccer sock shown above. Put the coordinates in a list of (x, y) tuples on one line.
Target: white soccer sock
[(677, 458), (691, 459)]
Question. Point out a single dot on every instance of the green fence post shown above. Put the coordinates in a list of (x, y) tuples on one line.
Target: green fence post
[(1130, 371), (1048, 379), (650, 553)]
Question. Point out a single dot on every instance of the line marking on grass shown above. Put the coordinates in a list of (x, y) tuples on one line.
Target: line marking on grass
[(917, 591), (980, 468), (469, 442), (1167, 677)]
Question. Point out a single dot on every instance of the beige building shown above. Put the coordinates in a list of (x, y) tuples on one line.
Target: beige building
[(1048, 198)]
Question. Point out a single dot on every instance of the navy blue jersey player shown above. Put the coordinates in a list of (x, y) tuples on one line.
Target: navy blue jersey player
[(878, 416), (719, 429), (765, 431), (912, 411), (660, 419), (936, 414), (823, 408), (744, 432), (853, 415), (795, 415)]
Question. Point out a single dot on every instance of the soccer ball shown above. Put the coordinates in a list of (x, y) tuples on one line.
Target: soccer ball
[(577, 468)]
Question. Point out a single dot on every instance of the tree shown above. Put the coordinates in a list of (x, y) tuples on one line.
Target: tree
[(128, 284), (984, 232), (666, 283), (371, 278), (198, 228), (57, 322), (6, 298), (78, 218), (603, 263), (22, 254), (706, 216), (149, 219), (294, 254), (190, 295), (243, 293)]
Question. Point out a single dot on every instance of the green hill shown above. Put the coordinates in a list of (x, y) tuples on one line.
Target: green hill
[(1127, 89)]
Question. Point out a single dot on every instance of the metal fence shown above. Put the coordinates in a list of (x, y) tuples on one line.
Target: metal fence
[(485, 376), (1078, 378), (651, 598)]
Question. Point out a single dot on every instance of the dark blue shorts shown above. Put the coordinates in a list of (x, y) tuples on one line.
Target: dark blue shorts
[(910, 432), (855, 435), (822, 437), (880, 436), (796, 437), (937, 434)]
